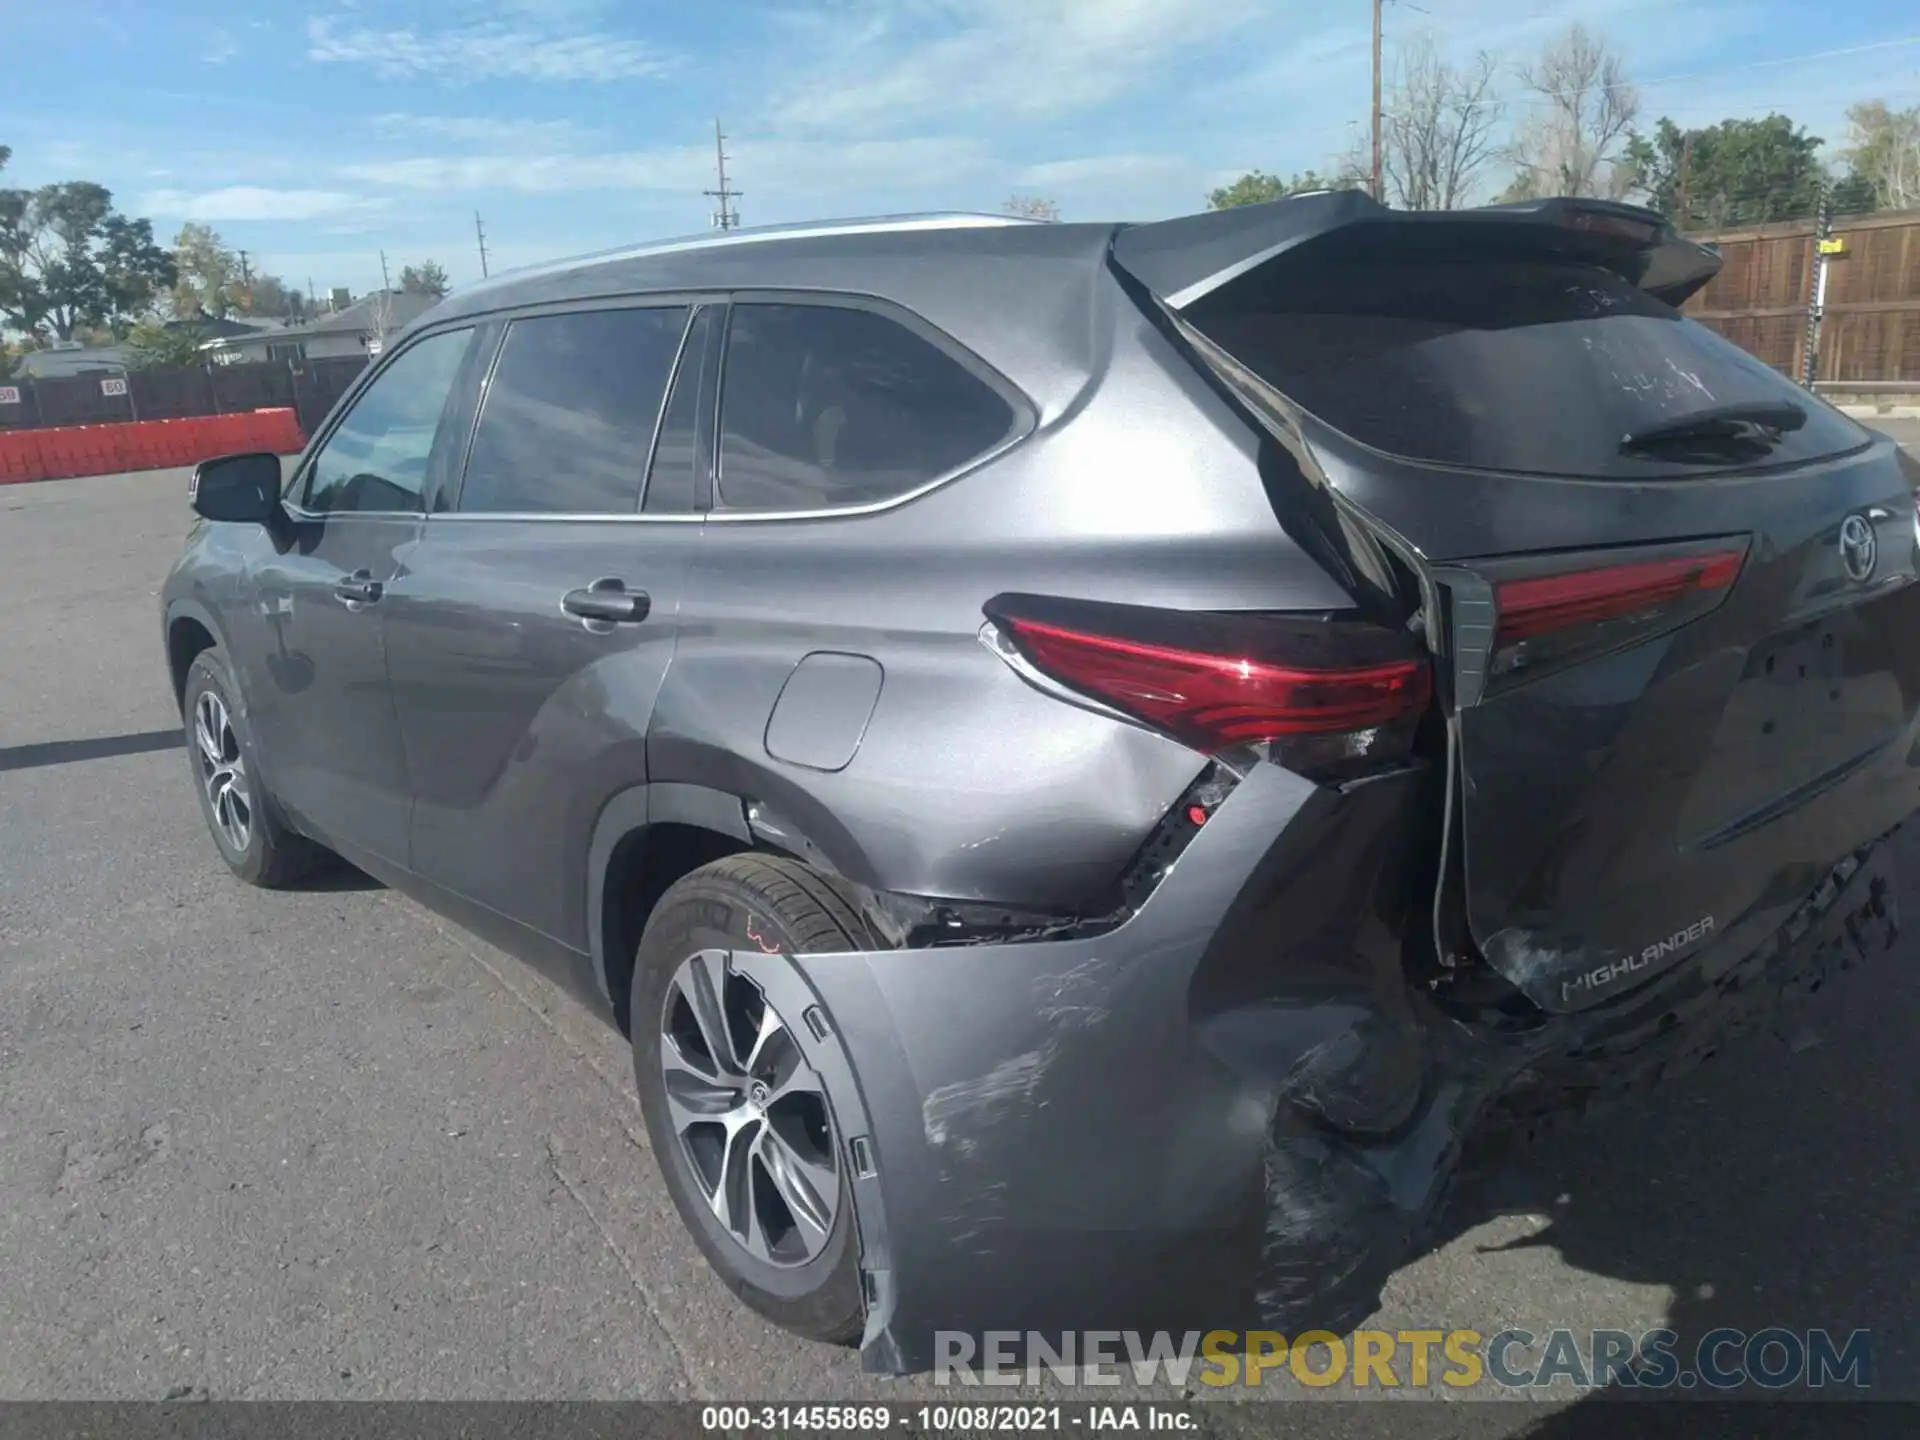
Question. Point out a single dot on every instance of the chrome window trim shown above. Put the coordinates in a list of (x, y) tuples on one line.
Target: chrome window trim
[(589, 517)]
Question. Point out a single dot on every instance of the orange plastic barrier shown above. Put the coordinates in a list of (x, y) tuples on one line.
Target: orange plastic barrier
[(70, 450)]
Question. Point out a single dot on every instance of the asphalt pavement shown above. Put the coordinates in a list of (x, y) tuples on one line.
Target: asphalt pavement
[(326, 1145)]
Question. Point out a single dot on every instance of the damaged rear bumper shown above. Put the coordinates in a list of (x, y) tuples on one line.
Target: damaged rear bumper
[(1231, 1111)]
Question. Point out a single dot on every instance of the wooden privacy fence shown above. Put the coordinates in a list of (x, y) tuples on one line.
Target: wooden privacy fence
[(105, 397), (1870, 334)]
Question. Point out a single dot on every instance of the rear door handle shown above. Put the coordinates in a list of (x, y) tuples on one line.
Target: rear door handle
[(609, 601), (359, 588)]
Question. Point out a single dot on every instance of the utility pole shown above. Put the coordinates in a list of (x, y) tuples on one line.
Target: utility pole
[(480, 234), (246, 282), (1377, 192), (1681, 208), (1817, 302), (385, 283), (726, 217)]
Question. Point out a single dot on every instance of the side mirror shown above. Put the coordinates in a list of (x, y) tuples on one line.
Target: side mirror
[(240, 488)]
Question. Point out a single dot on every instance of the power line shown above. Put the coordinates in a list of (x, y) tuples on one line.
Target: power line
[(1659, 80)]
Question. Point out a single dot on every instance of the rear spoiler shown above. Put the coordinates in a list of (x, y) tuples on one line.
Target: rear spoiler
[(1187, 260)]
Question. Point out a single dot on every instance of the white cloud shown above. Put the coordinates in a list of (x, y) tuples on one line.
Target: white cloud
[(490, 49), (251, 202), (484, 130), (221, 47), (541, 174), (826, 172), (1102, 169), (1010, 59)]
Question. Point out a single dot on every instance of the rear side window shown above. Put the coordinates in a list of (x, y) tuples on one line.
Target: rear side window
[(1530, 366), (570, 413), (824, 407)]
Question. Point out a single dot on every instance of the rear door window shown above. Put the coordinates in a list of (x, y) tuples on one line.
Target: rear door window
[(1531, 366), (570, 412), (824, 407)]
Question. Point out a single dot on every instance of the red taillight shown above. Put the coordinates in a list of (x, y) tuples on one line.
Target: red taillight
[(1601, 222), (1215, 701), (1557, 619), (1546, 603)]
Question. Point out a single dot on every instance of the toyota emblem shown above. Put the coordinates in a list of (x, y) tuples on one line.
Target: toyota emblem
[(1859, 551)]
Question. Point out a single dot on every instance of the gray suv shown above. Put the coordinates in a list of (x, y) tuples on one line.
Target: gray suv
[(1086, 758)]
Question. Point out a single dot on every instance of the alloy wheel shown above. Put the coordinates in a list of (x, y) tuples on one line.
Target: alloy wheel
[(749, 1113), (223, 770)]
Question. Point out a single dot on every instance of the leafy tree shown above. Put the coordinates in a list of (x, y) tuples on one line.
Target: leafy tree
[(1032, 207), (207, 274), (154, 346), (1883, 151), (426, 278), (270, 295), (1256, 187), (1855, 194), (69, 260), (1739, 172)]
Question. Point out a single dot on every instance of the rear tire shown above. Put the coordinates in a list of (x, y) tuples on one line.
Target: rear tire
[(770, 904), (247, 830)]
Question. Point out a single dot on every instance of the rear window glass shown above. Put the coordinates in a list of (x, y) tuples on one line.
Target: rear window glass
[(1527, 366)]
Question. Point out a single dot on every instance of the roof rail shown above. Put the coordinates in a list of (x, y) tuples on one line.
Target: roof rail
[(754, 234)]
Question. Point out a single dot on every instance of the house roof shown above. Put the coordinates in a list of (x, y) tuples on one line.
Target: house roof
[(59, 364), (213, 328), (404, 307)]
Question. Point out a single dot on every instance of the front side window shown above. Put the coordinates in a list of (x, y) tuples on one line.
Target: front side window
[(570, 413), (824, 407), (377, 457)]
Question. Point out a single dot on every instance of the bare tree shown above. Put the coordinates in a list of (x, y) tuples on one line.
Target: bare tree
[(379, 320), (1581, 112), (1883, 148), (1437, 133), (1032, 207)]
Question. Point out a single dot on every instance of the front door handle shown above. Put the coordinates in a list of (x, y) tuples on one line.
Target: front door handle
[(359, 588), (609, 601)]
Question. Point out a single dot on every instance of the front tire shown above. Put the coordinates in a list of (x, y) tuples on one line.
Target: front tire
[(240, 814), (749, 1148)]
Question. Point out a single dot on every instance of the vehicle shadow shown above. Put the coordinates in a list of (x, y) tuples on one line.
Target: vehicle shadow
[(1775, 1187), (104, 747), (337, 875)]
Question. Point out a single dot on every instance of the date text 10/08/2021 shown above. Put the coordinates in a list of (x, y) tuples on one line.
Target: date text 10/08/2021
[(939, 1418)]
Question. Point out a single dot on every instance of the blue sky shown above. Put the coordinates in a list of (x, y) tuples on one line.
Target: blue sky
[(315, 134)]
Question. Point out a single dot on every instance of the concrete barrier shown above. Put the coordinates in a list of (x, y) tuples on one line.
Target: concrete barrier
[(67, 451)]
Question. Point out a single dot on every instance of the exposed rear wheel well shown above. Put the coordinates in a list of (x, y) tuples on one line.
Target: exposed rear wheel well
[(186, 638), (643, 864)]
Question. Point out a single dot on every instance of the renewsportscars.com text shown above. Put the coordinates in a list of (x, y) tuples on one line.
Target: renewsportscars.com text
[(1774, 1358)]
